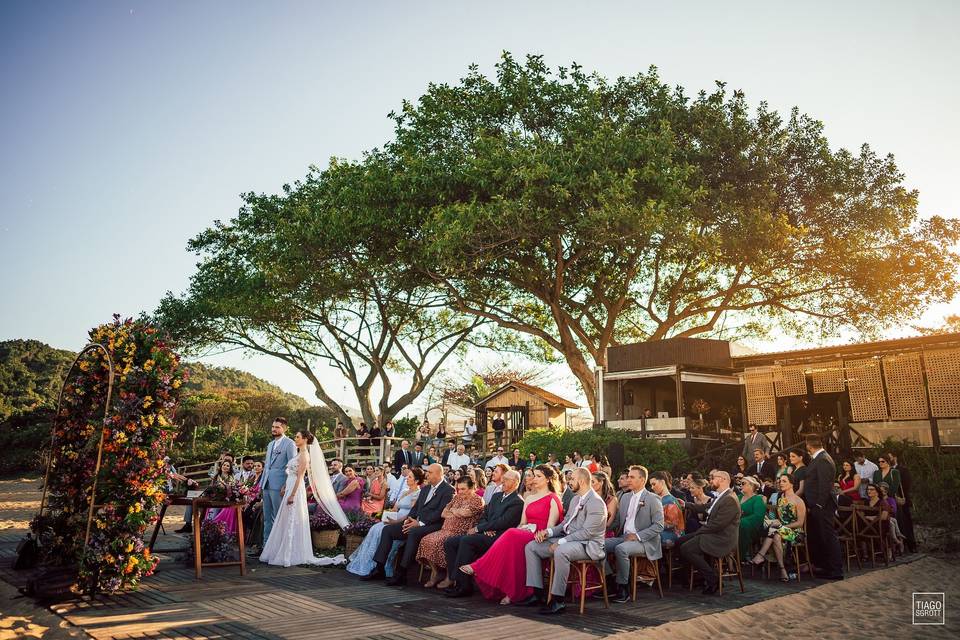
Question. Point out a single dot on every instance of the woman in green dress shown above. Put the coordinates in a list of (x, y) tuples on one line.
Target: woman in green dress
[(752, 509), (787, 528), (887, 474)]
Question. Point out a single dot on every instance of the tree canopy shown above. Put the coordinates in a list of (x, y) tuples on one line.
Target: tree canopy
[(570, 213)]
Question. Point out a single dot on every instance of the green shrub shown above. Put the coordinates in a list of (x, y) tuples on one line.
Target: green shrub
[(655, 454)]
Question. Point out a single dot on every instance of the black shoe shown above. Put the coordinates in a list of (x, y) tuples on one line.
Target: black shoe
[(531, 601), (376, 574), (184, 529), (556, 606), (399, 579), (457, 592), (711, 587), (623, 594)]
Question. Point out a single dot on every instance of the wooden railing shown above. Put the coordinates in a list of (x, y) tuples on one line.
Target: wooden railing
[(353, 450)]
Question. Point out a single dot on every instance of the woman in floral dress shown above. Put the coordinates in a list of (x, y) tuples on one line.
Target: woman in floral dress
[(787, 529), (460, 514)]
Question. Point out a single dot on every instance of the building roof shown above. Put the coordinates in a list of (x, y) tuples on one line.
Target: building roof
[(847, 350), (546, 396)]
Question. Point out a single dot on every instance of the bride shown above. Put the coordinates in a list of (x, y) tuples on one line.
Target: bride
[(289, 542)]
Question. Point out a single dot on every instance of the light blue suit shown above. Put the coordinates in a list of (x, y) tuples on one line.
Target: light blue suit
[(279, 452)]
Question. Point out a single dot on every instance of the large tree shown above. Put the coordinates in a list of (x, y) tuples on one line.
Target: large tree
[(298, 276), (583, 213)]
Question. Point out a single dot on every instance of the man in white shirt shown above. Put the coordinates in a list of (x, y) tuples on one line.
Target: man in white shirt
[(396, 485), (497, 459), (459, 458), (638, 524), (865, 469), (469, 430), (246, 469)]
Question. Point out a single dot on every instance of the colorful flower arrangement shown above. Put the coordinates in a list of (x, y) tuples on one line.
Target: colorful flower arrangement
[(321, 521), (136, 432), (359, 523), (233, 490), (215, 543)]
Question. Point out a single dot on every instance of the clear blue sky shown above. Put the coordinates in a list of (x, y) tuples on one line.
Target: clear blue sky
[(128, 127)]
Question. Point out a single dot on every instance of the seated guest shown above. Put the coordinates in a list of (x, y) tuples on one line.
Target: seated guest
[(740, 469), (398, 484), (445, 457), (459, 516), (479, 481), (753, 508), (637, 526), (552, 460), (891, 526), (568, 464), (423, 520), (337, 478), (578, 537), (622, 485), (459, 458), (718, 535), (374, 501), (496, 478), (785, 529), (352, 492), (431, 456), (673, 521), (568, 493), (361, 560), (850, 481), (698, 496), (502, 513), (783, 464), (602, 486), (500, 572), (762, 467)]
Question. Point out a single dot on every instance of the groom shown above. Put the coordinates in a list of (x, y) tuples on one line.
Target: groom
[(280, 451)]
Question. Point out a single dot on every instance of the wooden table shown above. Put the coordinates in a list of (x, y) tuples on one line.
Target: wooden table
[(200, 506)]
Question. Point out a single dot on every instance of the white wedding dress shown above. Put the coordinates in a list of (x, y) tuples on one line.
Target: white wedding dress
[(289, 543)]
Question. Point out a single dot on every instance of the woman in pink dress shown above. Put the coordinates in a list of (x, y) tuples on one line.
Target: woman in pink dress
[(502, 571)]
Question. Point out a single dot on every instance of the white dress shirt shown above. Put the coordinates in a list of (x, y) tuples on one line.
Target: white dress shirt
[(865, 471), (495, 460), (630, 526), (456, 460)]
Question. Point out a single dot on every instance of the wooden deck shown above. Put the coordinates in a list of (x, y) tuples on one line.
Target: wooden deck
[(321, 603)]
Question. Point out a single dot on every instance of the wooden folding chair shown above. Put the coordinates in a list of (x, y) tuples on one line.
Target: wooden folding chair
[(845, 522), (870, 531), (722, 572), (578, 574), (634, 577)]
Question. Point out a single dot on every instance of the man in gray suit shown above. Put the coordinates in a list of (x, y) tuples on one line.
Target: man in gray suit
[(280, 451), (578, 537), (638, 525), (754, 440)]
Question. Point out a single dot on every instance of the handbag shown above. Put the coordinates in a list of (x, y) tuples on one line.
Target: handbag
[(900, 498)]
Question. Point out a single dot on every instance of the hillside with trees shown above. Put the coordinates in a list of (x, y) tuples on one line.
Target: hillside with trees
[(222, 407)]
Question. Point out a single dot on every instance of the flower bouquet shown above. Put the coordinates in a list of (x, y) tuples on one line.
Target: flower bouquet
[(356, 531), (235, 491), (324, 530)]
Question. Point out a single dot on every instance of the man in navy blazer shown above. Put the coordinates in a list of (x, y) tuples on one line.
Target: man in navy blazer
[(423, 519)]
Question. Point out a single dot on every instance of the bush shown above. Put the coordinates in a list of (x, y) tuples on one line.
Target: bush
[(24, 439), (655, 454)]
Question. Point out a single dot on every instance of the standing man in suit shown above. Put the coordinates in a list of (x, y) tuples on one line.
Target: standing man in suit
[(719, 534), (423, 519), (401, 457), (754, 440), (821, 508), (501, 513), (499, 426), (578, 537), (273, 480), (637, 525), (762, 467), (417, 457)]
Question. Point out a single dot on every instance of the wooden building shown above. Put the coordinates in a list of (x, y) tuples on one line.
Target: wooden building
[(856, 394), (523, 407)]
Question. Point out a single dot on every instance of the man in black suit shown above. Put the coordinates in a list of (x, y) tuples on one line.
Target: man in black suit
[(424, 518), (499, 425), (821, 508), (762, 467), (718, 535), (502, 513), (403, 456)]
